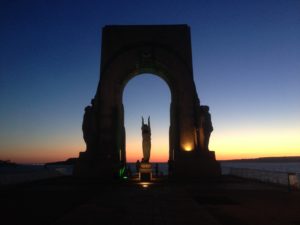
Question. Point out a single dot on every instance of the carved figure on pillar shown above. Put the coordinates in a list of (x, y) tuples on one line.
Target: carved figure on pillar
[(89, 128), (146, 134), (205, 127)]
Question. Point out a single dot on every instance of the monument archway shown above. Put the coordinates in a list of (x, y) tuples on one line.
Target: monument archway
[(126, 52), (147, 95)]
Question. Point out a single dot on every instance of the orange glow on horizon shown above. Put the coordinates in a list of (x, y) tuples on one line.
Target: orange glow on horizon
[(41, 155), (255, 143), (159, 148), (241, 144), (158, 154)]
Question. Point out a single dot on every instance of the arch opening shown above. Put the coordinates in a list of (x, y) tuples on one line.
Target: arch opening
[(147, 95)]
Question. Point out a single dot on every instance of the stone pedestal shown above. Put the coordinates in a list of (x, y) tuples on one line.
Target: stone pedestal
[(90, 166), (196, 166), (145, 173)]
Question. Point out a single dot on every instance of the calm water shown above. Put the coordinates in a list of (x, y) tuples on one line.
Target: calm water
[(292, 167), (21, 169), (4, 169), (162, 167), (275, 167)]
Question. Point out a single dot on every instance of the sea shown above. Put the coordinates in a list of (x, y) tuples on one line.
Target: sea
[(286, 167)]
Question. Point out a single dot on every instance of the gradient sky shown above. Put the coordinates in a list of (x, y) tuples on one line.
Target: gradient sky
[(246, 60)]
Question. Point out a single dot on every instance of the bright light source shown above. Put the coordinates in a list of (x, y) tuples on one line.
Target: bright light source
[(145, 184), (188, 147)]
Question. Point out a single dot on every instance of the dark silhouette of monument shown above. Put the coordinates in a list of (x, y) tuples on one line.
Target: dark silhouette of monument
[(89, 127), (205, 127), (163, 50), (146, 134), (145, 171)]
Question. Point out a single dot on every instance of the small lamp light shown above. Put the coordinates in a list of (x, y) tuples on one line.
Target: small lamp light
[(188, 147)]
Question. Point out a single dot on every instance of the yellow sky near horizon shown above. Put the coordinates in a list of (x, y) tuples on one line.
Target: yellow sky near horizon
[(243, 143)]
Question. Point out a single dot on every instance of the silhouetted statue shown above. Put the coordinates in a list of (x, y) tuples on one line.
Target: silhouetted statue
[(137, 166), (146, 133), (89, 127), (205, 126)]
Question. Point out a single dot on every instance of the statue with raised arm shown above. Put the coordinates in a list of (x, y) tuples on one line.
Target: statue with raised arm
[(146, 133)]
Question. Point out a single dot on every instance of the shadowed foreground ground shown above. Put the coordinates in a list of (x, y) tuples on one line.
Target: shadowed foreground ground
[(69, 201)]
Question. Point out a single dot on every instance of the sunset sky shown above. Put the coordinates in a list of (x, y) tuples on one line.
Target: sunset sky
[(246, 61)]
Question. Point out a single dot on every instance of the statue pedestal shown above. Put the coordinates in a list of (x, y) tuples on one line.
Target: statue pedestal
[(145, 173), (195, 166), (92, 166)]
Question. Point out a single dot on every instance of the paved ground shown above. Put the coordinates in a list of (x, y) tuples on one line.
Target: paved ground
[(227, 201)]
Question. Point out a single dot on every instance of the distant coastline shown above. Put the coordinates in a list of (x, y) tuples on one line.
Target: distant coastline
[(7, 163), (72, 161), (282, 159)]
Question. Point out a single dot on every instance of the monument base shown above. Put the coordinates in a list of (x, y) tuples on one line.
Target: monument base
[(88, 166), (145, 173), (196, 166)]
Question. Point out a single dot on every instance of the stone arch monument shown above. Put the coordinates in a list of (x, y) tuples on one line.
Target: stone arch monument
[(127, 51)]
